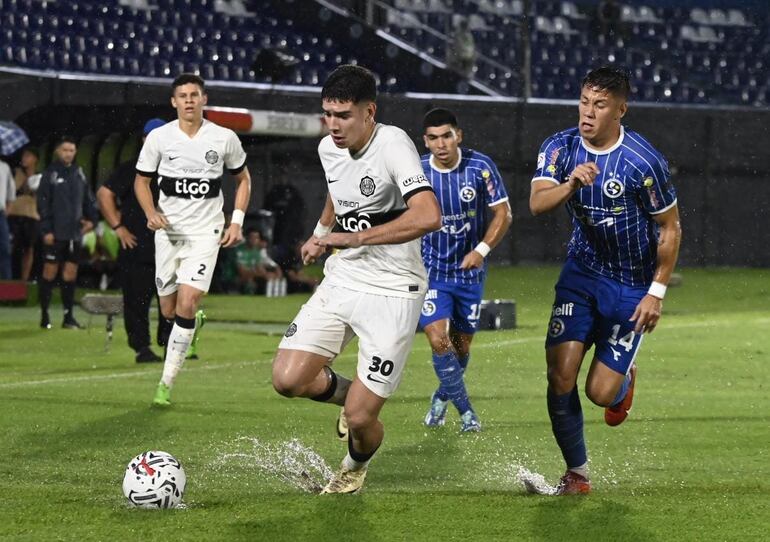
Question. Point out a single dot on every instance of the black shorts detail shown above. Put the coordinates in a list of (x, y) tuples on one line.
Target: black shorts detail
[(62, 251)]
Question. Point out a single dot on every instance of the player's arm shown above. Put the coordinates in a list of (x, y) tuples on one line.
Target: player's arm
[(234, 233), (45, 207), (155, 220), (108, 206), (498, 227), (422, 216), (310, 250), (648, 311), (546, 195)]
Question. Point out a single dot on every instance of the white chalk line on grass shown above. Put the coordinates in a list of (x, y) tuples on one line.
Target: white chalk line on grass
[(422, 348)]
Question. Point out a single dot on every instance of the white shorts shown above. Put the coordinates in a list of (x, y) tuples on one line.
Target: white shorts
[(385, 327), (184, 261)]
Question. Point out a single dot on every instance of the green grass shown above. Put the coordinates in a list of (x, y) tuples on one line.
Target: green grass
[(691, 463)]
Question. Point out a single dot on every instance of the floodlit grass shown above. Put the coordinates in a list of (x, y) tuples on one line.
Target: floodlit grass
[(691, 463)]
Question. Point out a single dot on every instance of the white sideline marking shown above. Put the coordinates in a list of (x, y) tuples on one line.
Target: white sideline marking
[(495, 344)]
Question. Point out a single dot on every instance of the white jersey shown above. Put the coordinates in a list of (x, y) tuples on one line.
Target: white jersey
[(190, 173), (368, 189)]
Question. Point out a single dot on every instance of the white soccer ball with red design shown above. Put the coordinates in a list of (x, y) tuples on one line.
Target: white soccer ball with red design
[(154, 480)]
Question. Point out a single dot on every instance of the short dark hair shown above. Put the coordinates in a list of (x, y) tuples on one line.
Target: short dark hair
[(65, 139), (32, 150), (439, 117), (610, 79), (187, 78), (349, 83)]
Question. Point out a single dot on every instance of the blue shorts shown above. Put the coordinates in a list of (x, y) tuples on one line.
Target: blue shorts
[(460, 303), (595, 310)]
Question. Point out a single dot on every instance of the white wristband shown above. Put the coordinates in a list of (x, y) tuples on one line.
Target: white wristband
[(657, 290), (238, 217), (321, 230), (483, 249)]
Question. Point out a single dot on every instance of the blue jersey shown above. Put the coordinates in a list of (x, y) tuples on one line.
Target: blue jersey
[(463, 193), (614, 232)]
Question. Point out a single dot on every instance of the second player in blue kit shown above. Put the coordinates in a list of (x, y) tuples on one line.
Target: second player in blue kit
[(466, 183)]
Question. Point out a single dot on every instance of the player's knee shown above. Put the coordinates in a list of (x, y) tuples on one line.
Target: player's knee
[(286, 386), (440, 342), (358, 420), (560, 382), (599, 395)]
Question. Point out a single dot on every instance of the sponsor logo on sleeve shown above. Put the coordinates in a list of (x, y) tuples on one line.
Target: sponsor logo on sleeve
[(291, 330), (540, 160), (417, 179)]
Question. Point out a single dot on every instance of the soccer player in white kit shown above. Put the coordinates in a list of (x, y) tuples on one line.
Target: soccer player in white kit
[(374, 286), (189, 156)]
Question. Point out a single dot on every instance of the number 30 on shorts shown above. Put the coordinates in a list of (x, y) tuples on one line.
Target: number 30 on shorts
[(384, 367)]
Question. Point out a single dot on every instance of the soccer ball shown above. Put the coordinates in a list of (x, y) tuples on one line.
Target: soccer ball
[(154, 480)]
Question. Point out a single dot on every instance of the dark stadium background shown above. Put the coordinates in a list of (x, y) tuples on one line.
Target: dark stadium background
[(100, 69)]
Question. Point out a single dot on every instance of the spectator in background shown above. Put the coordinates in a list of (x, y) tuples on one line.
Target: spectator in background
[(461, 53), (136, 258), (285, 201), (22, 214), (67, 210), (607, 20), (7, 195), (293, 269), (254, 265)]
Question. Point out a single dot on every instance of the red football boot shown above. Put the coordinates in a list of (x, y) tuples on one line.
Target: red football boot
[(573, 484), (617, 414)]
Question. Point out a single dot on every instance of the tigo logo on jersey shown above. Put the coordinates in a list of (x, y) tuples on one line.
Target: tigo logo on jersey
[(467, 193), (354, 223), (613, 188), (367, 186), (212, 157)]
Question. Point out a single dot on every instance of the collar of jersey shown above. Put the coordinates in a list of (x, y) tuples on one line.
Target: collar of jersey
[(435, 165), (363, 150), (617, 144)]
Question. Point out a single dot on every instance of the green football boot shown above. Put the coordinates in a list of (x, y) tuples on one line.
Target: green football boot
[(162, 396), (200, 320)]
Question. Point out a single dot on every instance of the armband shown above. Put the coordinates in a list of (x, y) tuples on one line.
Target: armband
[(238, 217), (321, 230), (483, 249), (657, 290)]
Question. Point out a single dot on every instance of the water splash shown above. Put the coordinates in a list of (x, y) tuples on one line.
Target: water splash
[(290, 462), (534, 482)]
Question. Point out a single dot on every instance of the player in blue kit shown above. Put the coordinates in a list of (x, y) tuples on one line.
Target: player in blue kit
[(466, 182), (623, 250)]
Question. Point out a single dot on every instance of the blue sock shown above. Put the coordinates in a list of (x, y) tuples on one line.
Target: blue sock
[(463, 360), (622, 391), (451, 384), (567, 424)]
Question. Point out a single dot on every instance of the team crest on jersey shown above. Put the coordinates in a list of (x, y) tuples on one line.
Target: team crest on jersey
[(428, 308), (291, 331), (555, 327), (367, 186), (613, 188), (212, 157), (467, 193), (158, 282)]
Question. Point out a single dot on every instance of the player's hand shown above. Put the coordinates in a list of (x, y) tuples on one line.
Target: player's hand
[(86, 226), (127, 239), (339, 240), (647, 314), (48, 239), (472, 260), (156, 221), (583, 175), (311, 251), (233, 235)]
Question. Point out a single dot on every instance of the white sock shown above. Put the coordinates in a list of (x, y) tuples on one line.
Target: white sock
[(351, 464), (582, 470), (178, 343)]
